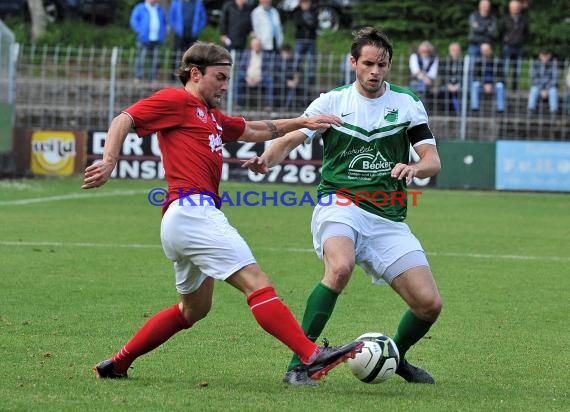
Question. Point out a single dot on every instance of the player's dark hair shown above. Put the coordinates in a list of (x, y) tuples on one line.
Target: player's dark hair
[(202, 55), (370, 36)]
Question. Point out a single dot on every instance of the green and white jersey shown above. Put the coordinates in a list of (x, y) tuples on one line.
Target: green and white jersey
[(359, 155)]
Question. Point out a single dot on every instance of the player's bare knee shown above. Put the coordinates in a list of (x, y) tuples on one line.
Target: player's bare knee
[(195, 314), (262, 281), (430, 309), (258, 280), (338, 275), (436, 307), (249, 279)]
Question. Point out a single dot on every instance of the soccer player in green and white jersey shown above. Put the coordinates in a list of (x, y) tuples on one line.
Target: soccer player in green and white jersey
[(361, 212)]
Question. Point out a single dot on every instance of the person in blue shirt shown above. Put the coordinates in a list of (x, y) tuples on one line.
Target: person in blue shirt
[(187, 18), (148, 21)]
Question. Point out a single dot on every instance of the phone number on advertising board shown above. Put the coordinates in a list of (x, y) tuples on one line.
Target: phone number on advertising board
[(287, 173)]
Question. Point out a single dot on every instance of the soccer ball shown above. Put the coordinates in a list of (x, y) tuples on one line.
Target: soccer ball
[(378, 360)]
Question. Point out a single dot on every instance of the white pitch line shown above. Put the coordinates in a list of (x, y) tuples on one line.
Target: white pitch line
[(273, 249), (70, 196), (449, 254), (505, 257), (79, 244)]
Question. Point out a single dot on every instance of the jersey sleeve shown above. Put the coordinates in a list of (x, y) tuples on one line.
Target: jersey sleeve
[(418, 114), (419, 132), (233, 126), (160, 111)]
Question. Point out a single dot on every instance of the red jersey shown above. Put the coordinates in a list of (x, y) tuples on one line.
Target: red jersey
[(190, 137)]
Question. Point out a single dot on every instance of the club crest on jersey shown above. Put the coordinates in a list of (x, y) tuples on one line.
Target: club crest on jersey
[(215, 143), (391, 114), (201, 115)]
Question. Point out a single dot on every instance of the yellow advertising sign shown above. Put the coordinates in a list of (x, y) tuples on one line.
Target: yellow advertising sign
[(53, 153)]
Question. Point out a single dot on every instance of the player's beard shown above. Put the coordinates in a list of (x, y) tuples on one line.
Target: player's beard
[(372, 88), (215, 100)]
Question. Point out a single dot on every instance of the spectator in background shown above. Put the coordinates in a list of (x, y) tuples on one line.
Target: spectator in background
[(306, 23), (287, 79), (488, 77), (452, 76), (568, 92), (423, 69), (514, 31), (482, 28), (544, 81), (254, 78), (347, 71), (266, 25), (148, 21), (187, 18), (235, 24)]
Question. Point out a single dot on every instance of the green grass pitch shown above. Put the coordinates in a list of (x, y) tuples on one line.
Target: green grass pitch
[(82, 271)]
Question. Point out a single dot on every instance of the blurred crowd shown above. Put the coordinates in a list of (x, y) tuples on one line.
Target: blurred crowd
[(274, 74)]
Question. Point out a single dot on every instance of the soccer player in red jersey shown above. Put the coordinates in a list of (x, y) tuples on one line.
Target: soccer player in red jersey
[(195, 234)]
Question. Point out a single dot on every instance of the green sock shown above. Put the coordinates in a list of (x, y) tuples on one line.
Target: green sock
[(410, 330), (320, 306)]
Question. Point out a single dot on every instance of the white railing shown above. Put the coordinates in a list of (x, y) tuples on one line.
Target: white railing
[(83, 88), (8, 57)]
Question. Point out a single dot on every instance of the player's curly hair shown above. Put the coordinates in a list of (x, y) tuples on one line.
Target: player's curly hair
[(370, 36), (202, 55)]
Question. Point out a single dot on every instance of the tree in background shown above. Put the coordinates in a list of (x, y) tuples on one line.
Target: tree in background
[(406, 21), (447, 20)]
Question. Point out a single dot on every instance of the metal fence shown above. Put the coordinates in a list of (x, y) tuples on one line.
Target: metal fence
[(83, 88)]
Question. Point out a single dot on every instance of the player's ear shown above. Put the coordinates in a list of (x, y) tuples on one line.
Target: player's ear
[(195, 73)]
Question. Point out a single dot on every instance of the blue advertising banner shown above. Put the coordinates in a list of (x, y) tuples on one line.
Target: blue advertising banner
[(541, 166)]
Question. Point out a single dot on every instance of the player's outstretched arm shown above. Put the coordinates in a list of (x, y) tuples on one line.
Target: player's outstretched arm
[(99, 172), (275, 153), (262, 130)]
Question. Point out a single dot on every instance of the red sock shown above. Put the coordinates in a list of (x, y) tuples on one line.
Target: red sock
[(276, 318), (154, 333)]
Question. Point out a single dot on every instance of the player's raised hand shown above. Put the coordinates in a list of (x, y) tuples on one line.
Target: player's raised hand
[(256, 164), (97, 174)]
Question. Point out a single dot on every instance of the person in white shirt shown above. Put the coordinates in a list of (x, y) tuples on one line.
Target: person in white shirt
[(266, 25), (423, 69)]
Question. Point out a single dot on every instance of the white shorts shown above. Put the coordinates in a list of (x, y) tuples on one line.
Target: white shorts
[(201, 243), (383, 248)]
